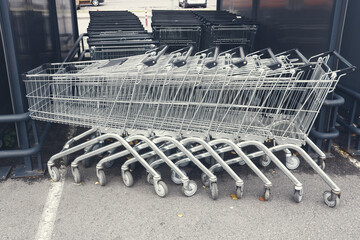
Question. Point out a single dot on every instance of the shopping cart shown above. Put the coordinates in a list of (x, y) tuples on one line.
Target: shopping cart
[(211, 99), (115, 34), (227, 30)]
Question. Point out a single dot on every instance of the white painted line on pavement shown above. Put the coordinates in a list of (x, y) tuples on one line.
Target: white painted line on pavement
[(47, 221), (352, 160)]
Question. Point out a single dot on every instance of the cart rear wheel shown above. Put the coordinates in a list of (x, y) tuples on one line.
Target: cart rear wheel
[(109, 164), (176, 178), (265, 160), (102, 177), (205, 179), (292, 162), (128, 179), (76, 175)]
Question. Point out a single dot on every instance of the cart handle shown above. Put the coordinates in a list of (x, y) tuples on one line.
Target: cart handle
[(213, 62), (151, 60), (349, 67), (295, 53), (268, 52), (236, 51), (181, 61)]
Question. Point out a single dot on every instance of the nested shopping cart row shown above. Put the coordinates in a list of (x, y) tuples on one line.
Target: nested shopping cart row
[(184, 108)]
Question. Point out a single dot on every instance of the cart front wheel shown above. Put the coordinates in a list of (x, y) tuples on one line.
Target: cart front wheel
[(102, 177), (239, 192), (214, 191), (331, 200), (191, 189), (161, 189), (95, 3), (55, 174), (298, 195)]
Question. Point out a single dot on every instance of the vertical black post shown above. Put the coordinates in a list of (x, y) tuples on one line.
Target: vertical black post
[(218, 5), (17, 97), (55, 30)]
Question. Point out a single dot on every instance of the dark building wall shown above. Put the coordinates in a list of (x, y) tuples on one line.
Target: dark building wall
[(351, 44), (286, 24)]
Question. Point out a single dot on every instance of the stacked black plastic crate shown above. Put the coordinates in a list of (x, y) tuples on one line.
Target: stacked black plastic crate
[(115, 34), (177, 29), (226, 30)]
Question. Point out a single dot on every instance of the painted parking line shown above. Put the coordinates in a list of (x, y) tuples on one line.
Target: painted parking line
[(352, 160), (48, 217)]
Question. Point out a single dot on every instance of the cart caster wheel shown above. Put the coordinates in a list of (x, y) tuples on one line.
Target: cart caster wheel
[(192, 189), (86, 163), (292, 162), (102, 177), (150, 179), (109, 164), (128, 179), (322, 165), (214, 191), (265, 161), (331, 200), (161, 189), (298, 195), (205, 180), (242, 163), (76, 175), (176, 178), (55, 174), (267, 194), (239, 192)]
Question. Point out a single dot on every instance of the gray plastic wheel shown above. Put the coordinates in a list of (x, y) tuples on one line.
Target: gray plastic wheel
[(109, 164), (205, 179), (298, 195), (192, 189), (76, 175), (267, 194), (55, 174), (176, 178), (214, 191), (265, 160), (292, 162), (102, 177), (322, 165), (150, 179), (242, 163), (161, 189), (128, 179), (95, 3), (239, 192), (331, 200)]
